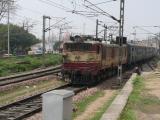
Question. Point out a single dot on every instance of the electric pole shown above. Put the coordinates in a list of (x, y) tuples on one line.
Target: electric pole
[(84, 27), (44, 31), (105, 32), (97, 29), (121, 28), (8, 22), (60, 37), (49, 38), (111, 38)]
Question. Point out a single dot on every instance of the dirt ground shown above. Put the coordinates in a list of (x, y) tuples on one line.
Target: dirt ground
[(95, 105), (152, 91), (98, 103), (89, 112)]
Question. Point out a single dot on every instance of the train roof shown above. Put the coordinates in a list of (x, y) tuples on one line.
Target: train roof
[(96, 42), (136, 45), (91, 42)]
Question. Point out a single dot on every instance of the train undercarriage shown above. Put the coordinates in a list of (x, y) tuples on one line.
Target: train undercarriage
[(88, 78)]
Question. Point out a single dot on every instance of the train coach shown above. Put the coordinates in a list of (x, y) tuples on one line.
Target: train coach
[(138, 53), (87, 61)]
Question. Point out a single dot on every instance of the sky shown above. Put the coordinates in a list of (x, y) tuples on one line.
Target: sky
[(137, 13)]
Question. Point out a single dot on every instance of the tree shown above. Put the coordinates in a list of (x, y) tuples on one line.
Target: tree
[(4, 7), (20, 39)]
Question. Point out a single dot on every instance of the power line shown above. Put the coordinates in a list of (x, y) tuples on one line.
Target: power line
[(104, 2), (143, 29), (55, 24), (103, 12), (49, 2)]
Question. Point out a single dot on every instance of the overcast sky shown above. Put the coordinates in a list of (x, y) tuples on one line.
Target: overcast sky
[(137, 13)]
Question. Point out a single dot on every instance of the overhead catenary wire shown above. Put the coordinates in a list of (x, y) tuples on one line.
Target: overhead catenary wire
[(104, 2), (54, 4), (55, 24), (51, 3), (144, 30), (104, 12)]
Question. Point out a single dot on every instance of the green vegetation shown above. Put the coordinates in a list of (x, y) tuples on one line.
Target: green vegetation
[(83, 104), (102, 110), (140, 100), (135, 99), (20, 39), (20, 64)]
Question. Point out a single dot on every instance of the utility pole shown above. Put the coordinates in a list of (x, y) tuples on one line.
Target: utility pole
[(44, 36), (44, 31), (105, 32), (84, 27), (49, 38), (60, 37), (159, 44), (121, 28), (135, 33), (111, 38), (44, 26), (97, 29), (8, 22)]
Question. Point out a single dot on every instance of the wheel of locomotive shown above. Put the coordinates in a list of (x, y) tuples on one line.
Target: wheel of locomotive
[(93, 80), (90, 80), (73, 78), (97, 78), (103, 74)]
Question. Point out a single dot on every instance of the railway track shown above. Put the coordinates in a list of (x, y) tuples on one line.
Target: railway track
[(29, 106), (28, 76), (24, 108)]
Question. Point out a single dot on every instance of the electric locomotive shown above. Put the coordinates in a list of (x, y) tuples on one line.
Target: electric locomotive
[(86, 61)]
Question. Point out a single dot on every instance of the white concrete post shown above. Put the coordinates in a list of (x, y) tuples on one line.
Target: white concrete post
[(57, 105)]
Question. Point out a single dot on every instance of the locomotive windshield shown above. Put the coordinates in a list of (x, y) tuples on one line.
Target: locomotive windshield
[(78, 47)]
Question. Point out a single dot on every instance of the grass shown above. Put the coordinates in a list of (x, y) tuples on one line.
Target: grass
[(134, 100), (83, 104), (102, 110), (15, 65), (13, 94), (140, 100)]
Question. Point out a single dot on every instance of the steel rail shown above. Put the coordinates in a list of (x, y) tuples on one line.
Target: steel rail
[(25, 108), (28, 76)]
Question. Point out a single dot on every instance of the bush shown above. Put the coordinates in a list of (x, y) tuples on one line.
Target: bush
[(21, 64)]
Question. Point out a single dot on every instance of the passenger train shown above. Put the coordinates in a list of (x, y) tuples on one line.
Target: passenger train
[(87, 61)]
